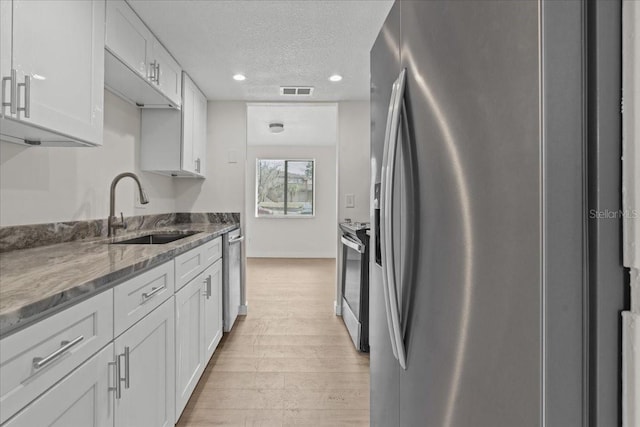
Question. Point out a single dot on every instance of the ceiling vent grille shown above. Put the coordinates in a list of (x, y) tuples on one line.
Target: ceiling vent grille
[(296, 90)]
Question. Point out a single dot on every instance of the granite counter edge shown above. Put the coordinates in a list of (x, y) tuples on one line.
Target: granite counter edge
[(22, 317)]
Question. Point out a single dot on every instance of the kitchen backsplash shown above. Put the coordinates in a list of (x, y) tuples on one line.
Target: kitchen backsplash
[(34, 235)]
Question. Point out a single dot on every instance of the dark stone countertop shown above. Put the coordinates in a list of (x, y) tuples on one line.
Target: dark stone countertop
[(37, 282)]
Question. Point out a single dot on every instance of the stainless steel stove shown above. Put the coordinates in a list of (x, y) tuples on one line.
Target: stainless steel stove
[(355, 282)]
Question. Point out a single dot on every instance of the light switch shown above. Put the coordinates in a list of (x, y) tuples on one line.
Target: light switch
[(350, 200), (232, 156)]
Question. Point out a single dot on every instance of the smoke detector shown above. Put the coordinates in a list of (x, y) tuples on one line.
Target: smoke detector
[(276, 127), (296, 90)]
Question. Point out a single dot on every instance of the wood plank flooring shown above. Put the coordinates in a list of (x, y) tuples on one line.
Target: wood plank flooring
[(290, 361)]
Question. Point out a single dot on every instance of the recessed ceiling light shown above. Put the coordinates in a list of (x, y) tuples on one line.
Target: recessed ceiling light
[(335, 78), (239, 77)]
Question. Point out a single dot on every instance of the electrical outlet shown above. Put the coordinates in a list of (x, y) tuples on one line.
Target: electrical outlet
[(350, 200)]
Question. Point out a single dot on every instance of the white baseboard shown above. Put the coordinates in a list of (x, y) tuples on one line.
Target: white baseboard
[(337, 308), (243, 309), (296, 254)]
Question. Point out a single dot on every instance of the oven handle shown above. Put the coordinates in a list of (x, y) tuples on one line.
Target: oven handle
[(352, 244)]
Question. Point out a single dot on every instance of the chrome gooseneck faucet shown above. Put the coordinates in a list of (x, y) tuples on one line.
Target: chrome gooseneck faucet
[(113, 220)]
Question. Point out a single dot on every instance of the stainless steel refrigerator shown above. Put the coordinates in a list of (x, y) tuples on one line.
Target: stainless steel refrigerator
[(478, 172)]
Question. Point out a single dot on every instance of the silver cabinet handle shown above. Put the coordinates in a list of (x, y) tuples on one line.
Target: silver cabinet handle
[(118, 387), (27, 96), (152, 71), (154, 291), (207, 287), (12, 104), (236, 240), (198, 165), (126, 367), (118, 367), (39, 362), (158, 73)]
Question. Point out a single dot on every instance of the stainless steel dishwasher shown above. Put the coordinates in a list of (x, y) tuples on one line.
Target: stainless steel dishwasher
[(232, 270)]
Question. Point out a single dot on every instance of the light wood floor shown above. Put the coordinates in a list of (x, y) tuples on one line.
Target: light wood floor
[(290, 361)]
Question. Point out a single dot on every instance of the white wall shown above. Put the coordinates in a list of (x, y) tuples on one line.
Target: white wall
[(223, 189), (39, 185), (231, 186), (354, 128), (294, 237)]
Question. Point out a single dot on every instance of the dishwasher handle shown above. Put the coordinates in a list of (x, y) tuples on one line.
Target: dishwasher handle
[(236, 239)]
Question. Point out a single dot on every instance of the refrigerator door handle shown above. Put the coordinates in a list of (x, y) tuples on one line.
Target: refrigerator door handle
[(394, 301), (383, 213)]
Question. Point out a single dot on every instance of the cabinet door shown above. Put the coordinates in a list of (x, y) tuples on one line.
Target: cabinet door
[(200, 132), (58, 54), (80, 399), (194, 127), (169, 73), (189, 340), (188, 119), (5, 52), (212, 308), (127, 37), (149, 399)]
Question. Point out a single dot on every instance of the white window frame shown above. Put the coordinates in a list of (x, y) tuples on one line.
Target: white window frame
[(256, 184)]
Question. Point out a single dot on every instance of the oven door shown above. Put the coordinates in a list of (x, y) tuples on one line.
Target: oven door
[(353, 252)]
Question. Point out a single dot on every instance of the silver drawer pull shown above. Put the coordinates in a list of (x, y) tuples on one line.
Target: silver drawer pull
[(236, 239), (39, 362), (154, 291)]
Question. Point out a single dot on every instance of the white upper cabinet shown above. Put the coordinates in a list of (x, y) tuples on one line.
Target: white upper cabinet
[(168, 73), (5, 56), (175, 142), (52, 64), (127, 37), (138, 68)]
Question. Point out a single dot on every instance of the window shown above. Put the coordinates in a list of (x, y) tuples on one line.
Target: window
[(285, 188)]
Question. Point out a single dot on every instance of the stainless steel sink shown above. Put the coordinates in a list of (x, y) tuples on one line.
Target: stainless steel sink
[(155, 239)]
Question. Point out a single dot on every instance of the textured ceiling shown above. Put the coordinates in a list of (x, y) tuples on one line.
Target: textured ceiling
[(274, 43), (304, 124)]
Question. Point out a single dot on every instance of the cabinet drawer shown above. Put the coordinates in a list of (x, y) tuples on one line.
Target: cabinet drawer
[(82, 330), (137, 297), (189, 265), (212, 251)]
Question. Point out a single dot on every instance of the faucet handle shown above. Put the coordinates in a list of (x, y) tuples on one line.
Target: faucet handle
[(124, 224)]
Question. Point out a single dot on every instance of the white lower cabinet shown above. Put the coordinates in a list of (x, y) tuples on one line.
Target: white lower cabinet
[(73, 370), (212, 308), (147, 371), (198, 329), (82, 399), (190, 353)]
